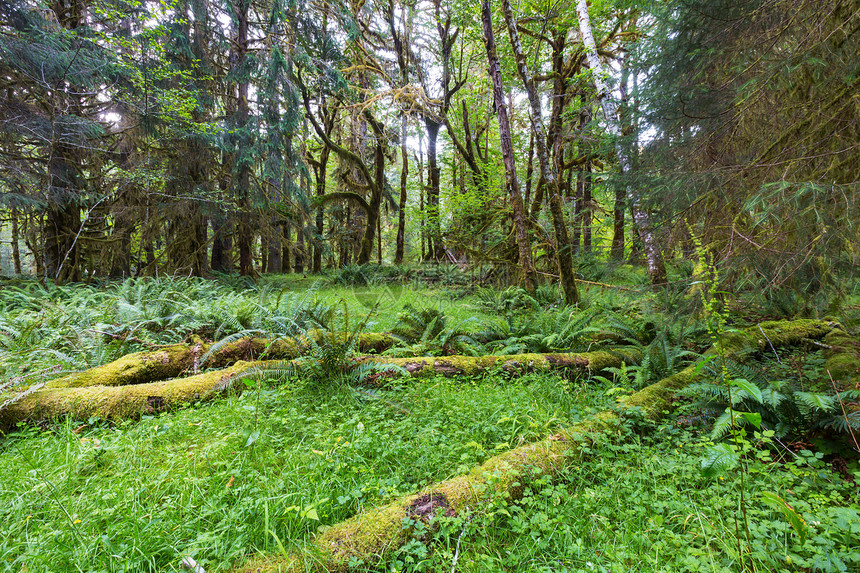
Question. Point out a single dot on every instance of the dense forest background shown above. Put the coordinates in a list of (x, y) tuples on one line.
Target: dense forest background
[(192, 136)]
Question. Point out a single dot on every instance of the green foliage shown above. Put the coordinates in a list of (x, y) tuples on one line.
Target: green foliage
[(425, 331), (566, 329), (664, 352), (507, 301), (283, 458), (592, 518), (781, 406)]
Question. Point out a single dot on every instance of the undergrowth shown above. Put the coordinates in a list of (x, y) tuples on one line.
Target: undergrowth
[(212, 482)]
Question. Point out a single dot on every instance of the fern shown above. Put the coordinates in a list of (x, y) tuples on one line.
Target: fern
[(812, 405), (427, 329), (719, 459)]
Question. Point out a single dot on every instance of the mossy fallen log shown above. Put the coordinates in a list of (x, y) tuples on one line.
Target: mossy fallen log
[(374, 534), (118, 402), (103, 400), (842, 359), (655, 399), (585, 362), (172, 361)]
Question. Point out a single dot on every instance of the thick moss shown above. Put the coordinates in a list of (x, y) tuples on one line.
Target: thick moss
[(653, 400), (172, 361), (586, 362), (135, 368), (843, 359), (372, 534), (118, 402)]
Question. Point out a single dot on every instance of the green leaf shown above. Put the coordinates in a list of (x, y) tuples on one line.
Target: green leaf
[(797, 523), (750, 388), (753, 418), (719, 459), (810, 402), (252, 437), (722, 425), (310, 512), (702, 363)]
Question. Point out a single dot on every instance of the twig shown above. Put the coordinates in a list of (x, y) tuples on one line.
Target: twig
[(770, 343), (844, 413), (457, 551)]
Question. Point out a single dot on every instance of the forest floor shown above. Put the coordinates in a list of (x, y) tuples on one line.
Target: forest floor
[(265, 471)]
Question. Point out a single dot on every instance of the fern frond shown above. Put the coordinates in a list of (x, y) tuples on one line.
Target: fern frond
[(225, 341), (811, 404), (719, 459)]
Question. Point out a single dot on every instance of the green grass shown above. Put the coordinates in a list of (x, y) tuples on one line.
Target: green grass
[(212, 481), (641, 504)]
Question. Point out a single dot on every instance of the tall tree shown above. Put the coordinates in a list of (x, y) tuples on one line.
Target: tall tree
[(654, 257), (549, 172), (512, 181)]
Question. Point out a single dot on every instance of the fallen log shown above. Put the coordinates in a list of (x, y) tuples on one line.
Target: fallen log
[(655, 399), (175, 360), (842, 359), (585, 362), (374, 534), (117, 402), (105, 401)]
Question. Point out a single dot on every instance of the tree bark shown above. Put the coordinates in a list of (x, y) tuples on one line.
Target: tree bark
[(654, 258), (549, 173), (274, 262), (16, 253), (401, 214), (513, 184), (221, 259), (436, 252), (245, 234)]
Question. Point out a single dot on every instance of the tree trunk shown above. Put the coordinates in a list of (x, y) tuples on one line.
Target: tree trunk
[(513, 184), (654, 258), (421, 189), (16, 253), (401, 214), (299, 252), (273, 244), (548, 172), (530, 169), (433, 191), (245, 234), (221, 259), (587, 215), (63, 221), (286, 248)]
